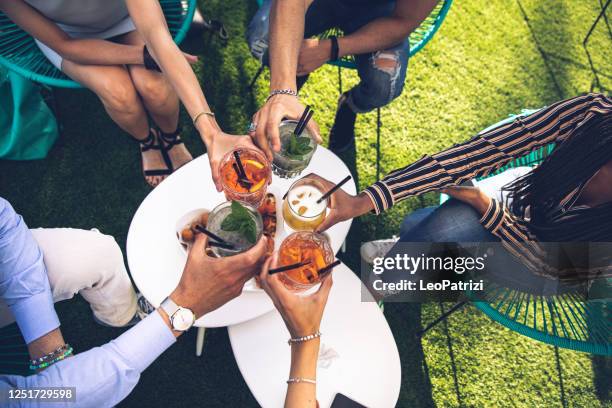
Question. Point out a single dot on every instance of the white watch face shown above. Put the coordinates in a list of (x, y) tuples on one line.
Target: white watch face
[(182, 319)]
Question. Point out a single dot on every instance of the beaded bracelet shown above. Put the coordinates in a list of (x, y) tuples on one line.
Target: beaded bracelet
[(51, 358), (296, 380), (282, 92), (305, 338), (51, 355)]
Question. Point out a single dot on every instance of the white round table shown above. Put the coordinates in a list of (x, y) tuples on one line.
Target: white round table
[(358, 355), (156, 259)]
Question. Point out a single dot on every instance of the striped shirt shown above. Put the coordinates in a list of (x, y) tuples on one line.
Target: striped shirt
[(486, 153)]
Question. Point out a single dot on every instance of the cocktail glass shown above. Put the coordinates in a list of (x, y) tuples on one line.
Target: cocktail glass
[(288, 164), (303, 246), (237, 238), (301, 209), (251, 188)]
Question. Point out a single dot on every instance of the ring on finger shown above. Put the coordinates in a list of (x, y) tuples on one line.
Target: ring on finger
[(252, 127)]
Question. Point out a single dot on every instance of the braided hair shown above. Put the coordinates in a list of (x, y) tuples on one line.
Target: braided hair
[(571, 163)]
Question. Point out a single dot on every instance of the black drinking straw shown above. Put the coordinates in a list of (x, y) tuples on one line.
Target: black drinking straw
[(288, 267), (301, 129), (242, 173), (213, 236), (329, 267), (221, 245), (302, 119), (241, 180), (334, 188)]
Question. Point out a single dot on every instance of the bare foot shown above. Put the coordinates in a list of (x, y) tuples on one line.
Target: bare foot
[(152, 160), (179, 155)]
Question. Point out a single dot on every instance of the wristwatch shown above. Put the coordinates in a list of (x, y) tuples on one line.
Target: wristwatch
[(181, 318)]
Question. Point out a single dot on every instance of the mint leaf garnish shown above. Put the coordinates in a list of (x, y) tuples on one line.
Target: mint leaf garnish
[(240, 220), (298, 146)]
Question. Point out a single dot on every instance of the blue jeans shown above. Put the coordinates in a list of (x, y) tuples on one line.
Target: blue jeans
[(455, 221), (378, 85)]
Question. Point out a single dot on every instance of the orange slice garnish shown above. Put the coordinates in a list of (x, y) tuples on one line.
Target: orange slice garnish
[(254, 163), (257, 186)]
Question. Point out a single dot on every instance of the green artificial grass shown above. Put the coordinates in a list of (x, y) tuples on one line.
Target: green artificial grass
[(490, 59)]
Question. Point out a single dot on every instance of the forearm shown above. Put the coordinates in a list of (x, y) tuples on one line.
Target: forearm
[(286, 35), (486, 152), (303, 365), (386, 32), (100, 52), (149, 20), (380, 34), (46, 344), (178, 72)]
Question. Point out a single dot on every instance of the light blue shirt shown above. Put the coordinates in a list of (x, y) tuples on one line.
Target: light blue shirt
[(102, 376)]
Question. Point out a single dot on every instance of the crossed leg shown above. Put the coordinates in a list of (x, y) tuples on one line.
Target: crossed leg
[(127, 94), (159, 99)]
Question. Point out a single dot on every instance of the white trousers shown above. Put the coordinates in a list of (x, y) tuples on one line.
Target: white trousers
[(88, 263)]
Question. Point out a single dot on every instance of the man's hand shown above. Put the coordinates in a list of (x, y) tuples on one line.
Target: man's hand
[(342, 206), (222, 143), (269, 117), (313, 54), (208, 283), (469, 195)]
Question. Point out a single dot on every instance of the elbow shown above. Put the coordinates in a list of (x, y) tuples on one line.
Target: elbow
[(156, 35), (68, 50)]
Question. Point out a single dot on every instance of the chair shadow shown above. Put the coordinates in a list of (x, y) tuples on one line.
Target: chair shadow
[(403, 318), (451, 354), (560, 373), (405, 321), (556, 60)]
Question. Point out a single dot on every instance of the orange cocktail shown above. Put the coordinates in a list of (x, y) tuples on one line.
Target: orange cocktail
[(302, 247), (245, 175)]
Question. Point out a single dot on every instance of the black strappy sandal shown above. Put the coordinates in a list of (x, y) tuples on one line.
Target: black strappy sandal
[(150, 143), (168, 141)]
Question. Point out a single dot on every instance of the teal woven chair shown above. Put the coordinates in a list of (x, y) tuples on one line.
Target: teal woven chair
[(19, 53), (566, 320), (418, 39)]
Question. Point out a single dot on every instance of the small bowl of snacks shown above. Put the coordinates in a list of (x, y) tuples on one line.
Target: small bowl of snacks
[(186, 231), (186, 227)]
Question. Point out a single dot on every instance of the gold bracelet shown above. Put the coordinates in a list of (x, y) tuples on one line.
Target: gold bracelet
[(297, 380), (196, 117)]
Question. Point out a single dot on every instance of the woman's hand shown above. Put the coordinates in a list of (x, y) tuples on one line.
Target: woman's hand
[(342, 206), (302, 314), (470, 195), (220, 144), (267, 121)]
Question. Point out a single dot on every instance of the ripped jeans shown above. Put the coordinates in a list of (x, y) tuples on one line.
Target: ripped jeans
[(381, 81)]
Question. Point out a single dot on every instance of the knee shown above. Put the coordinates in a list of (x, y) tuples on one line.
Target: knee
[(108, 257), (119, 95), (384, 80), (156, 91), (389, 66)]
